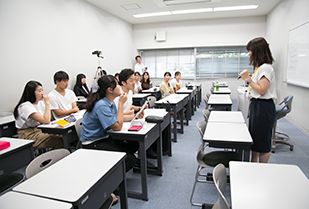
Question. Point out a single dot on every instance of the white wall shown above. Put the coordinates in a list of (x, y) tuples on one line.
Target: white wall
[(286, 16), (213, 32), (40, 37)]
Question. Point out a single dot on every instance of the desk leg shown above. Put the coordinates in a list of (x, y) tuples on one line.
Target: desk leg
[(246, 155), (143, 160), (123, 189), (175, 126), (181, 122), (195, 103), (189, 111), (192, 106), (68, 137), (159, 153)]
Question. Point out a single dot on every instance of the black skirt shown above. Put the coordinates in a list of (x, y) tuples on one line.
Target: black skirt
[(262, 113)]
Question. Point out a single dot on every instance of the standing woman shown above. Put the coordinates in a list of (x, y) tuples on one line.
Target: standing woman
[(102, 115), (145, 81), (165, 87), (32, 110), (262, 91), (80, 88)]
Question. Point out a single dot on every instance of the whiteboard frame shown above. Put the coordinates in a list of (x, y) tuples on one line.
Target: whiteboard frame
[(288, 65)]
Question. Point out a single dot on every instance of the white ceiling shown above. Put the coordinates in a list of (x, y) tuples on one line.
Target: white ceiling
[(125, 9)]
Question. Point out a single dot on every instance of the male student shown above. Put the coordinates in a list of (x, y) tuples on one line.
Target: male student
[(139, 67), (62, 100), (126, 81), (176, 82)]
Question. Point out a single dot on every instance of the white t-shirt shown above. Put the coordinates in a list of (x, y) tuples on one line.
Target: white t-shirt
[(267, 71), (174, 82), (25, 110), (129, 101), (136, 85), (139, 68), (57, 101)]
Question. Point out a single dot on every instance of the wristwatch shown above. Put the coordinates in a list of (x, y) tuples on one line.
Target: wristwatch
[(249, 81)]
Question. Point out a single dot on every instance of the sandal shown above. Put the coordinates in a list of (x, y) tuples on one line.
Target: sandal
[(115, 199)]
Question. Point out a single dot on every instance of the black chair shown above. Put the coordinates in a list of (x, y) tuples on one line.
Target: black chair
[(281, 111)]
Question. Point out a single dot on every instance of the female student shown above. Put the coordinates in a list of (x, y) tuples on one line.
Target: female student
[(165, 87), (32, 110), (262, 91), (145, 81), (102, 115), (80, 88), (137, 83)]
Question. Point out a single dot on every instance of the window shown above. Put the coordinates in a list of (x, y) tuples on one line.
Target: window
[(200, 62)]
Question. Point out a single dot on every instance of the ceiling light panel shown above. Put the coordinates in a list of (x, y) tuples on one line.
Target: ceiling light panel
[(188, 11), (152, 14), (217, 9), (179, 2)]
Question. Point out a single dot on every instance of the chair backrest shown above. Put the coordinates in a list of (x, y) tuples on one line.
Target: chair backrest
[(288, 102), (201, 126), (78, 127), (151, 101), (208, 95), (206, 114), (220, 180), (45, 160), (284, 107)]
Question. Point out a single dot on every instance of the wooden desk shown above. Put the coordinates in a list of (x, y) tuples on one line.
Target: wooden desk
[(139, 99), (229, 135), (267, 186), (85, 178), (154, 91), (18, 155), (14, 200), (7, 126), (222, 91), (177, 102), (146, 137), (226, 116), (68, 132), (220, 101)]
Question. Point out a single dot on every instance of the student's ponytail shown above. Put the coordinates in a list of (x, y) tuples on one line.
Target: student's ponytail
[(104, 83)]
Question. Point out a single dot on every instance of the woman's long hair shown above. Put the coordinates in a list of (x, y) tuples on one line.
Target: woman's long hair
[(260, 52), (79, 78), (28, 95), (104, 83), (143, 79)]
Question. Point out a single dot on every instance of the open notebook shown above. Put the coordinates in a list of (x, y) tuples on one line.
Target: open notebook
[(136, 125)]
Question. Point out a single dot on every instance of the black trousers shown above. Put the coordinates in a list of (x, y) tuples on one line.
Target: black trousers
[(109, 144)]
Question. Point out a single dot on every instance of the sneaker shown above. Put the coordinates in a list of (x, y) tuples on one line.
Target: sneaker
[(149, 164)]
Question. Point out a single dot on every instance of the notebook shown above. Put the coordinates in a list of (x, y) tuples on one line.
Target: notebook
[(136, 125)]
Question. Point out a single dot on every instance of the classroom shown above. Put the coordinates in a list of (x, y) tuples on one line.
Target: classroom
[(39, 38)]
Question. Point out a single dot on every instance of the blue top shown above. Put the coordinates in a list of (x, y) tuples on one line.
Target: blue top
[(96, 123)]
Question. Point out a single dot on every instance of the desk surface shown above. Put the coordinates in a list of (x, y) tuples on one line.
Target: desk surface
[(222, 91), (7, 119), (135, 96), (153, 89), (226, 116), (216, 96), (70, 178), (227, 132), (14, 144), (184, 90), (156, 112), (268, 186), (213, 100), (126, 125), (172, 98), (13, 200)]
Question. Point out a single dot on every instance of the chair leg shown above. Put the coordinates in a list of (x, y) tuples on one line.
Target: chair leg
[(279, 137), (194, 185)]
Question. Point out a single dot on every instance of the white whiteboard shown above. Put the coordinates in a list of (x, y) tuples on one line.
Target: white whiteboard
[(298, 56)]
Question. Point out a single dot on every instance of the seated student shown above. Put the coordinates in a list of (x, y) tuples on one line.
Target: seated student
[(145, 81), (176, 82), (62, 100), (80, 88), (126, 81), (137, 83), (32, 110), (165, 87), (102, 115)]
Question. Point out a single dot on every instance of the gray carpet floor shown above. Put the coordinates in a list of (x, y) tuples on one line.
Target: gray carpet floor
[(173, 189)]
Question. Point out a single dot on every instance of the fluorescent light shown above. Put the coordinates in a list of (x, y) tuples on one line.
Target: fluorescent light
[(191, 11), (178, 2), (216, 9), (152, 14)]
